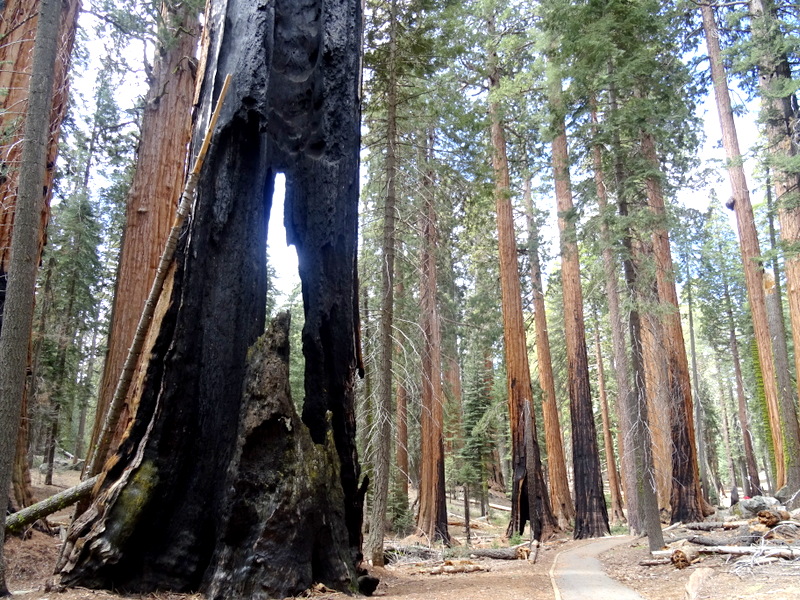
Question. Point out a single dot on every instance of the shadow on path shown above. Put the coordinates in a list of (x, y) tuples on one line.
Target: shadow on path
[(577, 574)]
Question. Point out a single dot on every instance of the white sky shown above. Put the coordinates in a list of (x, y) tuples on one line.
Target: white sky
[(283, 258)]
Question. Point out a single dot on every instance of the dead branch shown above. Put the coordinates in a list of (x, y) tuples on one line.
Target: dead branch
[(16, 521)]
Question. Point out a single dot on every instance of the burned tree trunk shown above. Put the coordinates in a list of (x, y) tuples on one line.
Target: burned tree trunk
[(180, 506)]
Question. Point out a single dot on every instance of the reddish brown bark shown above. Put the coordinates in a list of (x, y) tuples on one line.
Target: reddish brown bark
[(658, 401), (591, 514), (560, 497), (153, 197), (617, 513), (774, 73), (401, 442), (686, 499), (530, 499), (432, 516), (748, 237)]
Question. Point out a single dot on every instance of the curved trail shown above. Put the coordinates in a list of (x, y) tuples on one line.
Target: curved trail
[(577, 574)]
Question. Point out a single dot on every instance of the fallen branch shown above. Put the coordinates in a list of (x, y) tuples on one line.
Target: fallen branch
[(711, 525), (16, 521), (654, 562)]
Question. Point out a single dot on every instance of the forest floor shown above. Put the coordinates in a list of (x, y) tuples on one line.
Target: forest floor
[(30, 564)]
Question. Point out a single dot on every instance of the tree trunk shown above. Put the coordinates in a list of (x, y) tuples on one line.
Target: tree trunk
[(686, 499), (25, 240), (401, 441), (752, 484), (698, 409), (658, 399), (525, 485), (726, 429), (636, 403), (622, 365), (201, 412), (432, 515), (591, 513), (383, 404), (17, 31), (560, 497), (748, 237), (18, 24), (617, 513), (780, 117), (153, 197)]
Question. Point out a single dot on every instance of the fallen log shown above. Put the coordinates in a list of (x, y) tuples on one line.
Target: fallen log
[(742, 540), (654, 562), (518, 553), (456, 566), (712, 525), (683, 557), (787, 552), (16, 521), (771, 518)]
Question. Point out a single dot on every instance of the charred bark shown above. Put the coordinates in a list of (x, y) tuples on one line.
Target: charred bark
[(293, 107)]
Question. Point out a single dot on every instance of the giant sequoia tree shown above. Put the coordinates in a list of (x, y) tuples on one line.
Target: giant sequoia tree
[(218, 485)]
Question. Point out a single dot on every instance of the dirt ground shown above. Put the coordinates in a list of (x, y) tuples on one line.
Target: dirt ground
[(30, 564)]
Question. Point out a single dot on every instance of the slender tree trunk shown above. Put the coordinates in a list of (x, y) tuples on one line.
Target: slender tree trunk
[(153, 197), (432, 516), (19, 298), (622, 365), (726, 435), (748, 237), (527, 488), (18, 22), (752, 484), (560, 497), (617, 514), (701, 440), (383, 404)]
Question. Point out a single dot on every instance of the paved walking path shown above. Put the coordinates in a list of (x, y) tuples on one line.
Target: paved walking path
[(577, 574)]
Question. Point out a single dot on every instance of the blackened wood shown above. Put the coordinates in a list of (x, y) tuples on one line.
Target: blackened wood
[(161, 517)]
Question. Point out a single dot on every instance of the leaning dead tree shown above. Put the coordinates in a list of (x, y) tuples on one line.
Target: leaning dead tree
[(218, 486)]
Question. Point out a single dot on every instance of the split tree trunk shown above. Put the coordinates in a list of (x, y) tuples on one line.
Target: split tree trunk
[(591, 513), (164, 517), (527, 488), (560, 496)]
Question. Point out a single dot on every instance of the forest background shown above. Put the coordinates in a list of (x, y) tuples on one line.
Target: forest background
[(539, 186)]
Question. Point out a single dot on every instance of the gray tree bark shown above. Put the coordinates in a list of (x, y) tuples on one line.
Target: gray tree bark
[(18, 309)]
